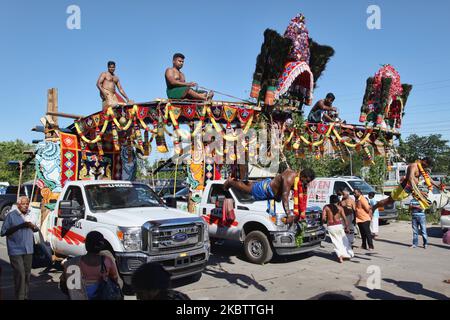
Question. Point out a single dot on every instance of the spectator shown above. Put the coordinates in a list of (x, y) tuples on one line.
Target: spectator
[(419, 223), (18, 227), (152, 282), (363, 218), (375, 217), (349, 206), (337, 225), (90, 269)]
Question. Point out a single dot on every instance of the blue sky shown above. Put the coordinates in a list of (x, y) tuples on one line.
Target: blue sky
[(221, 40)]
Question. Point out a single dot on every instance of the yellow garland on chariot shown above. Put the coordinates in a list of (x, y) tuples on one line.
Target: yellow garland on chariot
[(110, 112), (97, 138), (289, 139), (352, 145), (318, 143), (220, 130)]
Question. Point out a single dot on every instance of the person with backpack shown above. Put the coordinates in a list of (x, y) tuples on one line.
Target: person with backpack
[(97, 274)]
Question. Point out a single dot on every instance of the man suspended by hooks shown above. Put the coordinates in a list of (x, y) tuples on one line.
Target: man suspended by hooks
[(409, 185), (177, 87), (279, 189)]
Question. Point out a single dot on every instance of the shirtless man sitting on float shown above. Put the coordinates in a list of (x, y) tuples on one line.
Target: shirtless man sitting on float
[(277, 189), (177, 87)]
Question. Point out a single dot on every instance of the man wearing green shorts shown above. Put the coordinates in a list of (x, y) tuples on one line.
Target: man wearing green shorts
[(177, 87)]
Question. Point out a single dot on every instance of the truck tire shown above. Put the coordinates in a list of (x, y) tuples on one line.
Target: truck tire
[(4, 212), (257, 247)]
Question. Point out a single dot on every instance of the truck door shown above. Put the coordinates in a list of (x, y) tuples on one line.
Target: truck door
[(212, 213), (68, 233)]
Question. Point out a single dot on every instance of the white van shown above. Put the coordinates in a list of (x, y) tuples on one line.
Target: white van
[(320, 190)]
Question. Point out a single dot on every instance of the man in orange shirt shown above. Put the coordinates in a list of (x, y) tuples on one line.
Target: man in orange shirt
[(363, 218)]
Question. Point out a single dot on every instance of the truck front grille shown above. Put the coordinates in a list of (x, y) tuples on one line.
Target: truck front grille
[(175, 238), (314, 220)]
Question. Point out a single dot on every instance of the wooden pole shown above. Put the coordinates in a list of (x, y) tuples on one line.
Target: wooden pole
[(20, 180), (52, 103), (64, 115)]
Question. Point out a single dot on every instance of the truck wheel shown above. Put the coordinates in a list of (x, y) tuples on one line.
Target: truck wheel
[(257, 247), (4, 212)]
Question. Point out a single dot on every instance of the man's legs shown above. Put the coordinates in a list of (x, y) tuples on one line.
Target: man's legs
[(27, 262), (242, 186), (17, 264), (423, 229), (415, 228), (383, 203), (192, 94), (363, 235), (366, 226), (351, 235)]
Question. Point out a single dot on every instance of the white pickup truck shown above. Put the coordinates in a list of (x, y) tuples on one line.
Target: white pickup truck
[(136, 224), (260, 232)]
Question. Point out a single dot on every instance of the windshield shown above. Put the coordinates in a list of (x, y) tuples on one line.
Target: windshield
[(361, 185), (104, 197)]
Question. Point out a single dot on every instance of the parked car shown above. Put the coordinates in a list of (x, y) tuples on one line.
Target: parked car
[(445, 218), (3, 187), (10, 197)]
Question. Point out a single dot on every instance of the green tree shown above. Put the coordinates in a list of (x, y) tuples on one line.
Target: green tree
[(416, 147), (12, 151)]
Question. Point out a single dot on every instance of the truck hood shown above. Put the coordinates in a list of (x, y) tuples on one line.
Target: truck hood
[(135, 217)]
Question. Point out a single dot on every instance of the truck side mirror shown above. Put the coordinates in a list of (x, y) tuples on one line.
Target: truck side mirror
[(70, 209)]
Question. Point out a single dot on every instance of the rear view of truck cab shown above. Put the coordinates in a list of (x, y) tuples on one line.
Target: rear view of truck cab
[(138, 227)]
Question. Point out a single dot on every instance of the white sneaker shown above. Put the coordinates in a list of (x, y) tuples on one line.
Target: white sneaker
[(413, 246)]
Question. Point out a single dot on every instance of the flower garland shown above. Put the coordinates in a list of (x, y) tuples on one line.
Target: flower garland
[(425, 175)]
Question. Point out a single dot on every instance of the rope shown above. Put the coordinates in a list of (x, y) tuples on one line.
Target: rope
[(175, 179), (226, 95)]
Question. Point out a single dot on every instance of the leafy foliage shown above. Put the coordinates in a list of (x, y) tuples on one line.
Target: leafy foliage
[(416, 147), (14, 151)]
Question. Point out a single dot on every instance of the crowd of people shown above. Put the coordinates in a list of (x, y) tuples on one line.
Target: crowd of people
[(346, 212)]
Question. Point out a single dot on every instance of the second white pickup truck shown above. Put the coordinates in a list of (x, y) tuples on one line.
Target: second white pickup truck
[(261, 233)]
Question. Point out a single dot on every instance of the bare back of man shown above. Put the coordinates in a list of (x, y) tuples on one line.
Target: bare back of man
[(334, 214), (348, 206)]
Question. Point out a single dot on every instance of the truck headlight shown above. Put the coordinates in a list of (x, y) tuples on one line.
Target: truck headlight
[(131, 238), (205, 232)]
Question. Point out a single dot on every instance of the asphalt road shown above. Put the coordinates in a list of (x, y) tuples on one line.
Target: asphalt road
[(404, 273)]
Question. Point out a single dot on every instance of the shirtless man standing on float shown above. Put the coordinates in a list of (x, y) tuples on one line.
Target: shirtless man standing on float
[(107, 83), (177, 87), (277, 189), (409, 185)]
